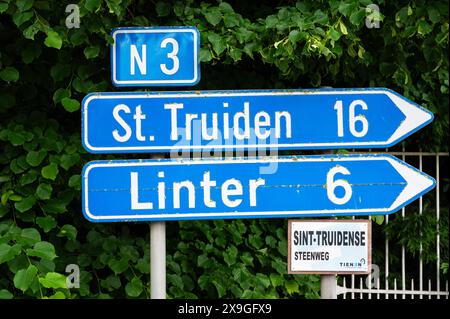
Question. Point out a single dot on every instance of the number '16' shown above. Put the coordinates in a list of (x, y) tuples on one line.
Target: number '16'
[(352, 118)]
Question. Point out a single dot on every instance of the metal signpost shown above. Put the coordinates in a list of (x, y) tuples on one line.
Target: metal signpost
[(148, 190), (304, 186), (155, 56), (294, 119)]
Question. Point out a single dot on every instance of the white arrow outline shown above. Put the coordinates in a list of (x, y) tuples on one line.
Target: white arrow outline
[(417, 183), (415, 117)]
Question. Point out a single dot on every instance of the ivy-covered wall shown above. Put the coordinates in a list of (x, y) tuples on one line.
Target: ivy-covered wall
[(47, 68)]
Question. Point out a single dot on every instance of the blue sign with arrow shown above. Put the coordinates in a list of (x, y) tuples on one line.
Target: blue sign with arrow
[(155, 56), (281, 119), (334, 185)]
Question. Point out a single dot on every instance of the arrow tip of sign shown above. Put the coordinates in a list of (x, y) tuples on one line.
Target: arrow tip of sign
[(416, 116), (417, 183)]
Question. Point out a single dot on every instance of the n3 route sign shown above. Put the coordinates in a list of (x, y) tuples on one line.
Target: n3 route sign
[(235, 188), (155, 56), (295, 119)]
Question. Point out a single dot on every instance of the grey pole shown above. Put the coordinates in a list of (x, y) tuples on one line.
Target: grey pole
[(328, 285), (158, 260)]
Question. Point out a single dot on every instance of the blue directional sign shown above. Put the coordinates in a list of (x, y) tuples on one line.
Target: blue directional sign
[(249, 188), (155, 56), (282, 119)]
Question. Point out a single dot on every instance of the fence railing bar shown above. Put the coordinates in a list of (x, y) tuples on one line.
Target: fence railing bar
[(378, 287), (446, 287), (361, 288), (395, 288), (386, 257), (412, 153), (395, 292), (403, 246), (344, 283), (420, 247), (425, 286), (438, 257), (352, 296), (429, 288)]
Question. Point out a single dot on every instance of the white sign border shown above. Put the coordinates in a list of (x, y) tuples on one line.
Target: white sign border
[(369, 246), (192, 81), (401, 200), (403, 131)]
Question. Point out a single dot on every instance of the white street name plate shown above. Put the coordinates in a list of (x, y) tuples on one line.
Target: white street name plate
[(329, 246)]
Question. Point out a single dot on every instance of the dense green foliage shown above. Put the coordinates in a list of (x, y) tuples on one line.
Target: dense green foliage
[(46, 69)]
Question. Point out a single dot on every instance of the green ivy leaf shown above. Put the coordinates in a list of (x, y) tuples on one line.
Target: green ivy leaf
[(230, 255), (118, 266), (58, 295), (92, 5), (3, 7), (69, 160), (50, 171), (9, 74), (218, 42), (295, 36), (24, 277), (291, 287), (47, 223), (343, 28), (134, 288), (7, 100), (347, 8), (24, 5), (25, 204), (44, 191), (53, 280), (75, 182), (276, 279), (42, 249), (263, 280), (271, 21), (175, 280), (236, 54), (70, 105), (163, 8), (113, 282), (221, 290), (213, 16), (202, 260), (68, 231), (5, 294), (35, 158), (3, 210), (424, 28), (205, 55), (379, 219), (29, 236), (334, 35), (60, 94), (53, 40), (434, 15), (358, 16), (8, 252), (60, 71), (20, 18), (91, 52)]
